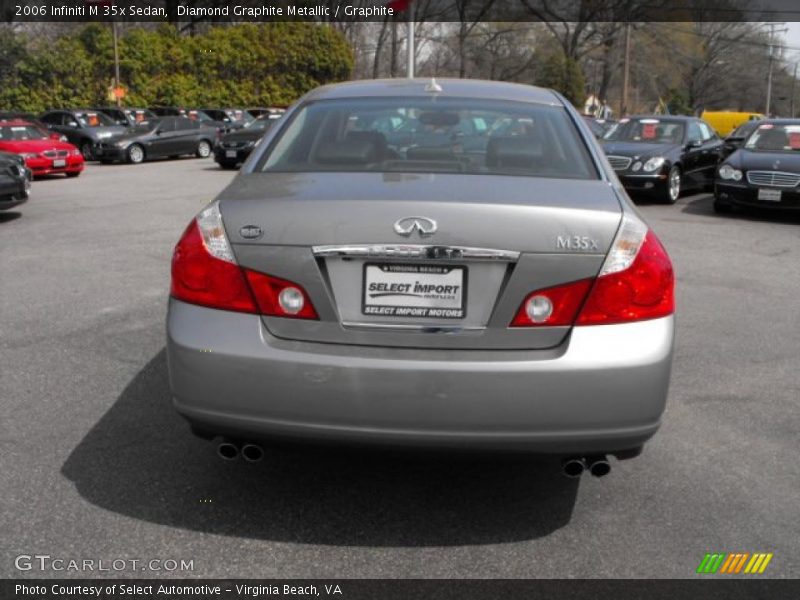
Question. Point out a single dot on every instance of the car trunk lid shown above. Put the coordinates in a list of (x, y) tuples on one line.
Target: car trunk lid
[(497, 239)]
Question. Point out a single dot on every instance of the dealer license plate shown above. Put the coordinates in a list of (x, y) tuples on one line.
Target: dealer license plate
[(415, 291), (769, 195), (230, 153), (59, 162)]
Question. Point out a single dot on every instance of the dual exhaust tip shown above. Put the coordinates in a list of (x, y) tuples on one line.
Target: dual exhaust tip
[(230, 450), (597, 465)]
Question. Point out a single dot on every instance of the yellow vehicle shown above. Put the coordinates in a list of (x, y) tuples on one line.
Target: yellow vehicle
[(725, 121)]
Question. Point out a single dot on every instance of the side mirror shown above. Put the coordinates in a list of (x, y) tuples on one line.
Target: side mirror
[(694, 144)]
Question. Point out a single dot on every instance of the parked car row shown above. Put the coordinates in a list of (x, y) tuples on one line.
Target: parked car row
[(758, 164), (61, 141)]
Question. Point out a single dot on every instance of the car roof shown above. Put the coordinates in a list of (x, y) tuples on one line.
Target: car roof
[(664, 117), (469, 88), (775, 121), (15, 122)]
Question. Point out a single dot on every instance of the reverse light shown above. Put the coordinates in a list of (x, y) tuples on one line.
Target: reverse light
[(552, 307), (205, 272)]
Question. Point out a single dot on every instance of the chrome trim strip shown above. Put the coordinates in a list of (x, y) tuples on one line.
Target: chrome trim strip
[(408, 327), (417, 251)]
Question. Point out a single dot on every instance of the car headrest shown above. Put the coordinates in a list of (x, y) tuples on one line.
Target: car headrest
[(518, 152), (347, 152)]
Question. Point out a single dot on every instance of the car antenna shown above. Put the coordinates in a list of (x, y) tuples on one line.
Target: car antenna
[(433, 87)]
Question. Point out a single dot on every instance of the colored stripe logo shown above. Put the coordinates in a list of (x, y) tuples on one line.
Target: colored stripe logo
[(734, 563)]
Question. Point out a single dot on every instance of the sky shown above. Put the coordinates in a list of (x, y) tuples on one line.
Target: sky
[(792, 38)]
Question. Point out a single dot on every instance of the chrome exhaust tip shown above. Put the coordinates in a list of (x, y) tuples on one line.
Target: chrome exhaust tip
[(252, 453), (573, 467), (227, 450), (598, 466)]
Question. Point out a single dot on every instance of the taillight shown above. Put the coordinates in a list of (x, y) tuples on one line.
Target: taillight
[(280, 298), (635, 283), (644, 290), (553, 306), (205, 272)]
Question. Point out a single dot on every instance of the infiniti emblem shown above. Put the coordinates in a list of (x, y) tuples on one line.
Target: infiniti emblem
[(251, 232), (407, 225)]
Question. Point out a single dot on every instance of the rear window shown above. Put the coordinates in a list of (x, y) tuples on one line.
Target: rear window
[(430, 135)]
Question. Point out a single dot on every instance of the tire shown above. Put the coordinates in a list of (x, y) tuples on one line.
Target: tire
[(73, 174), (203, 149), (673, 191), (86, 150), (135, 154)]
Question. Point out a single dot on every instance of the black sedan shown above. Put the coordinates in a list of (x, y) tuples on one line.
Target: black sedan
[(83, 128), (233, 148), (15, 180), (159, 138), (663, 155), (765, 172)]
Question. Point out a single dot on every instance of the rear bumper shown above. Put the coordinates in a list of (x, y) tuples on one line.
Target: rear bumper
[(603, 390), (744, 194), (221, 155)]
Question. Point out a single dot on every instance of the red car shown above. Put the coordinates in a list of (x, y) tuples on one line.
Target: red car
[(44, 154)]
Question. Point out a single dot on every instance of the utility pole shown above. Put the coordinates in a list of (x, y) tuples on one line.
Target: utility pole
[(794, 82), (116, 62), (626, 72), (772, 32), (410, 44)]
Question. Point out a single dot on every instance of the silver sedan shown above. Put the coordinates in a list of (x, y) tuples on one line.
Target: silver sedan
[(427, 263)]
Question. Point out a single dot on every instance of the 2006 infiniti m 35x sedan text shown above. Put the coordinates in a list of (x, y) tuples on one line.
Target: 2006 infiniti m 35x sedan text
[(448, 263)]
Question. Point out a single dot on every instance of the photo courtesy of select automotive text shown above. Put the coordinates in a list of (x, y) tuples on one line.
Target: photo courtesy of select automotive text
[(399, 299)]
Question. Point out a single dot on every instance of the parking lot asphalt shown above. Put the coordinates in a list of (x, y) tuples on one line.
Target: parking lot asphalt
[(94, 463)]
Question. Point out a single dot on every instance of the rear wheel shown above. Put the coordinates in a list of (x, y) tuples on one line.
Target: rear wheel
[(135, 154), (673, 185), (203, 149)]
